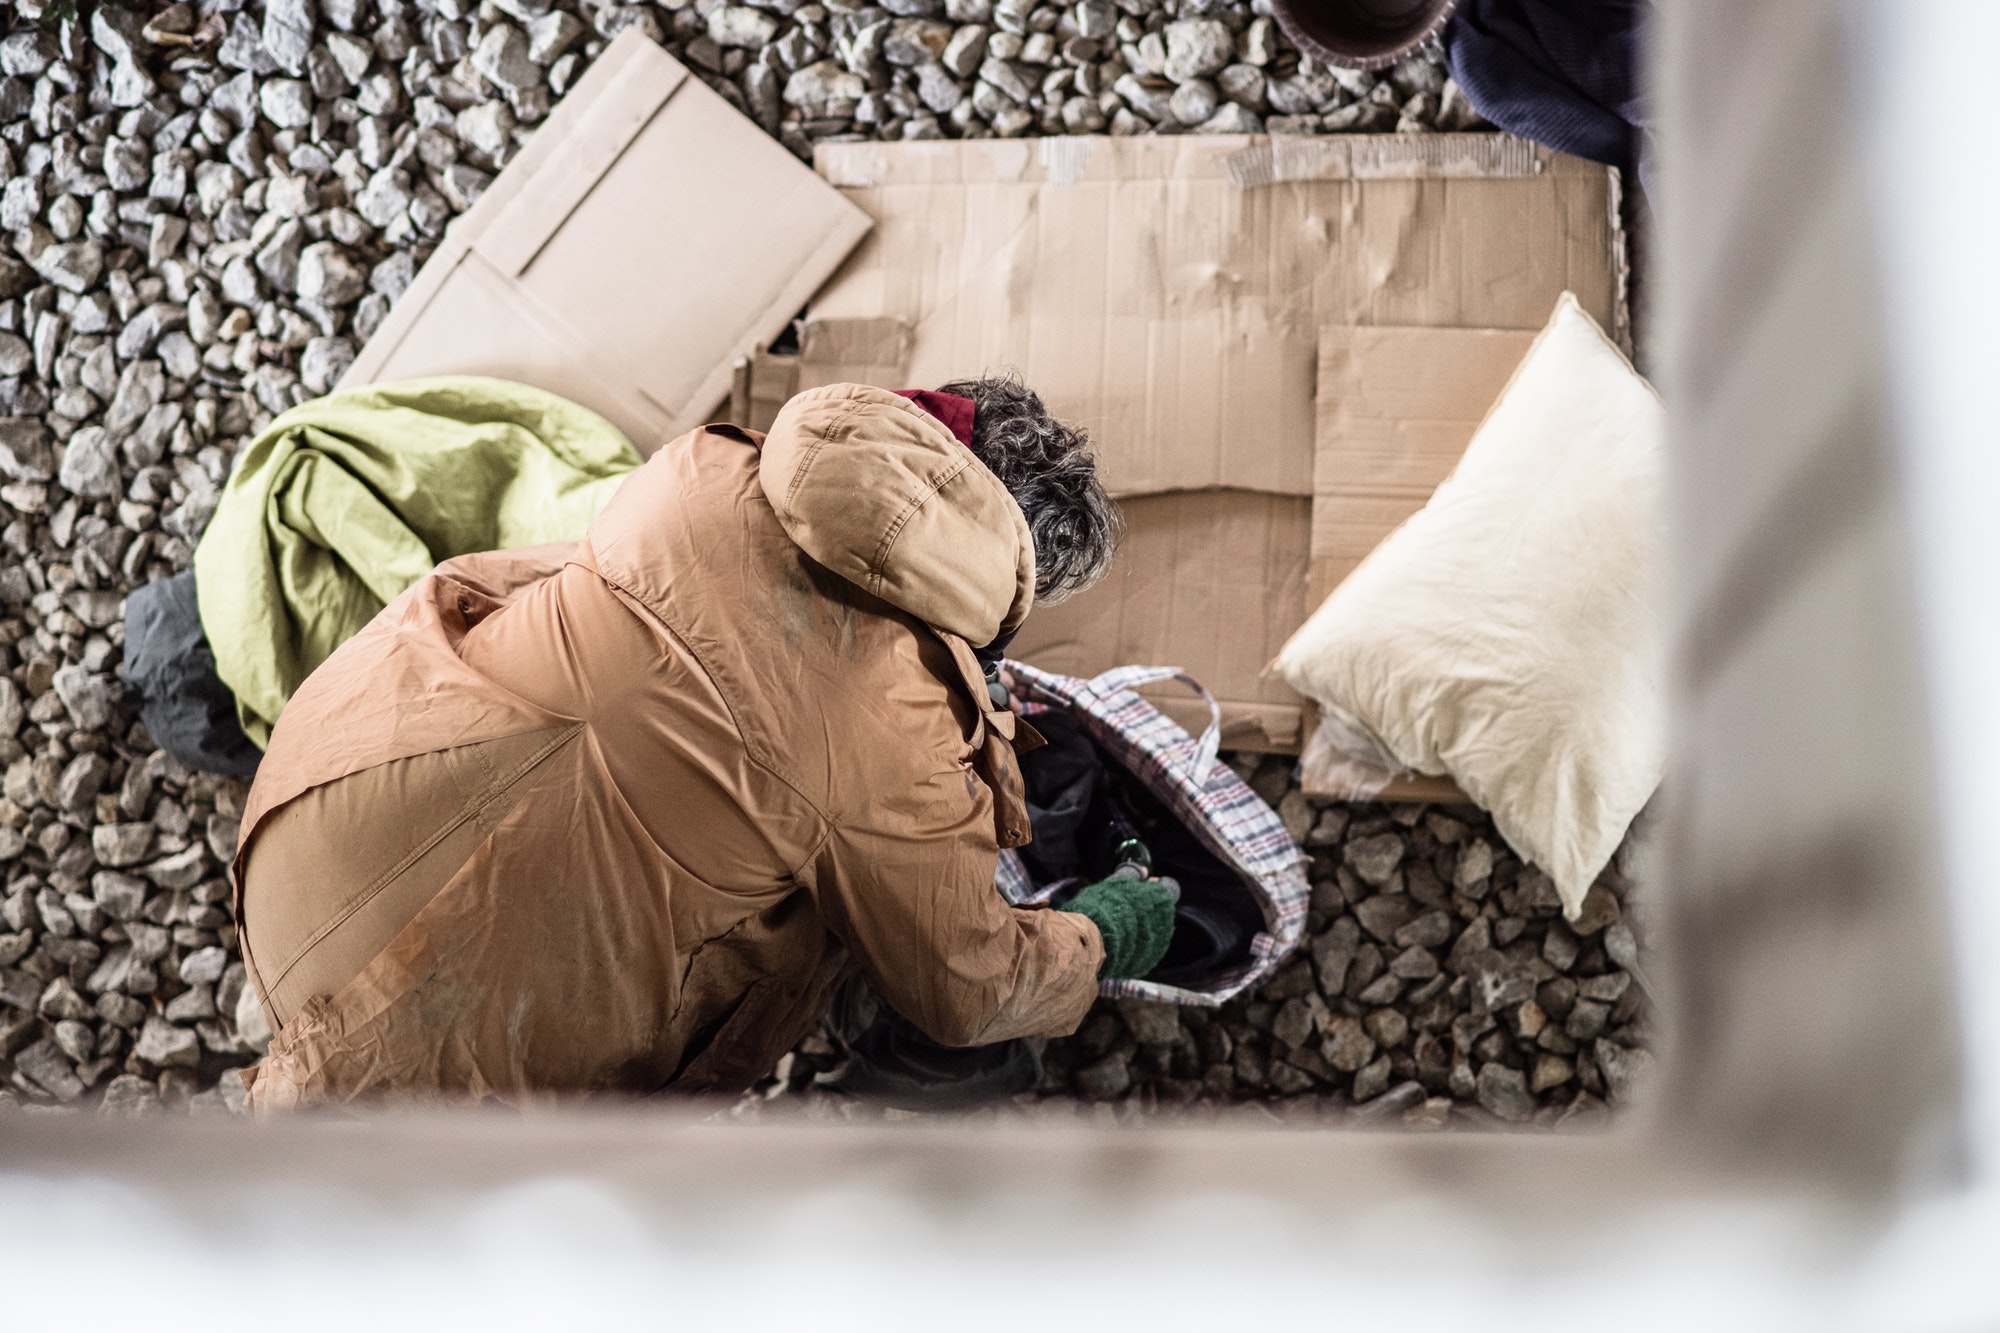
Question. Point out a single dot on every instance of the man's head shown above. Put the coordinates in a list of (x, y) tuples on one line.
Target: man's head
[(1049, 470)]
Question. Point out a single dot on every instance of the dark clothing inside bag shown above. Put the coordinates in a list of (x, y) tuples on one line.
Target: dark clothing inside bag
[(1081, 804)]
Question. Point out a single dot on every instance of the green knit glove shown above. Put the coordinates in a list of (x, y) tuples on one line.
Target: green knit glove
[(1136, 919)]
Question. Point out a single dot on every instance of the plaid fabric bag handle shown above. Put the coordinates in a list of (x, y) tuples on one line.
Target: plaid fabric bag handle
[(1126, 678)]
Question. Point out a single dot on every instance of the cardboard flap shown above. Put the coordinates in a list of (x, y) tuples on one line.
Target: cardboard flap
[(647, 238), (603, 128), (855, 351), (1211, 582), (1396, 408)]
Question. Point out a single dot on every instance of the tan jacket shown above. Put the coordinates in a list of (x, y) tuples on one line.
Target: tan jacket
[(619, 816)]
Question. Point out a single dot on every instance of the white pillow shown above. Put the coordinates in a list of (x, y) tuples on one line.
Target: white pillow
[(1509, 635)]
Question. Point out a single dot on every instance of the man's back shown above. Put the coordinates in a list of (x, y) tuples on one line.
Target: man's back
[(587, 824)]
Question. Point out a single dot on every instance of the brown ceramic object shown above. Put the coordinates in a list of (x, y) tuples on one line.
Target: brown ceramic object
[(1362, 34)]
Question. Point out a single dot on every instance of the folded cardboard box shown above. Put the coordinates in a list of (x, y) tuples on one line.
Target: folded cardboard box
[(1169, 294), (647, 238)]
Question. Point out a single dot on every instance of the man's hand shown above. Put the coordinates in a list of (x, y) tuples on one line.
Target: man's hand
[(1136, 919)]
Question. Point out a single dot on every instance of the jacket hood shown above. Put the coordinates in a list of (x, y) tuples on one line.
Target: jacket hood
[(877, 490)]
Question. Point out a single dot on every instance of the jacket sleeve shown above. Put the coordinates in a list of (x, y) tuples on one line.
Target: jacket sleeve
[(911, 893)]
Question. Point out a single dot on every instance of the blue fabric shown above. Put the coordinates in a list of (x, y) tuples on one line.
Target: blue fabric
[(1565, 73)]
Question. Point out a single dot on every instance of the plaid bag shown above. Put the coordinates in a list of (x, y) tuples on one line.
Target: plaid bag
[(1232, 821)]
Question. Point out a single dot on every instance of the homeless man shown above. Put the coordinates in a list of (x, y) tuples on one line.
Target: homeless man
[(619, 816)]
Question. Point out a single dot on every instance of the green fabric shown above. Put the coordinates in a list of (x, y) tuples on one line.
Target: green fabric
[(1136, 919), (344, 502)]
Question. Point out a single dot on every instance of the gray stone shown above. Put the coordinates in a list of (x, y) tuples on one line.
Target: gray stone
[(25, 453), (1193, 102), (1105, 1080), (741, 26), (129, 1097), (1146, 99), (1504, 1092), (278, 259), (1474, 865), (166, 1046), (1374, 859), (121, 844), (1498, 982), (1415, 963), (180, 870), (1009, 78), (1333, 951), (1197, 48), (502, 56), (1385, 914), (240, 284), (1430, 930), (1347, 1046), (1233, 118), (1096, 19), (824, 81), (149, 942), (74, 266), (1621, 945), (486, 128), (253, 1029), (328, 277), (1301, 93), (1372, 1079), (551, 34), (288, 32), (1293, 1023), (286, 103), (1392, 1103), (937, 89), (291, 196), (351, 55), (204, 966), (191, 1005), (26, 52), (913, 42), (19, 989), (44, 1064), (1152, 1024), (75, 1039), (82, 778), (122, 896), (323, 362), (964, 52), (140, 388), (384, 201), (1587, 1020), (86, 695)]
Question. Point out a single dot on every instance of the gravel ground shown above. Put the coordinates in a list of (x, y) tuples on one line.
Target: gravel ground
[(1439, 986), (207, 208)]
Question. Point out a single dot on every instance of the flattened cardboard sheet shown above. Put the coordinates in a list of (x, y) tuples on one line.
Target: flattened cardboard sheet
[(1167, 293), (1396, 408), (647, 237), (1236, 604)]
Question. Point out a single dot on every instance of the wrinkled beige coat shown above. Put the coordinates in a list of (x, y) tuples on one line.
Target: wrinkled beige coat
[(619, 816)]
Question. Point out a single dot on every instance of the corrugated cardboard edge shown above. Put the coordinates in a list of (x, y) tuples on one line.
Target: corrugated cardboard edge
[(622, 92)]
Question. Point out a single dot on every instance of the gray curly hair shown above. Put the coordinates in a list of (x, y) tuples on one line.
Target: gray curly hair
[(1051, 472)]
